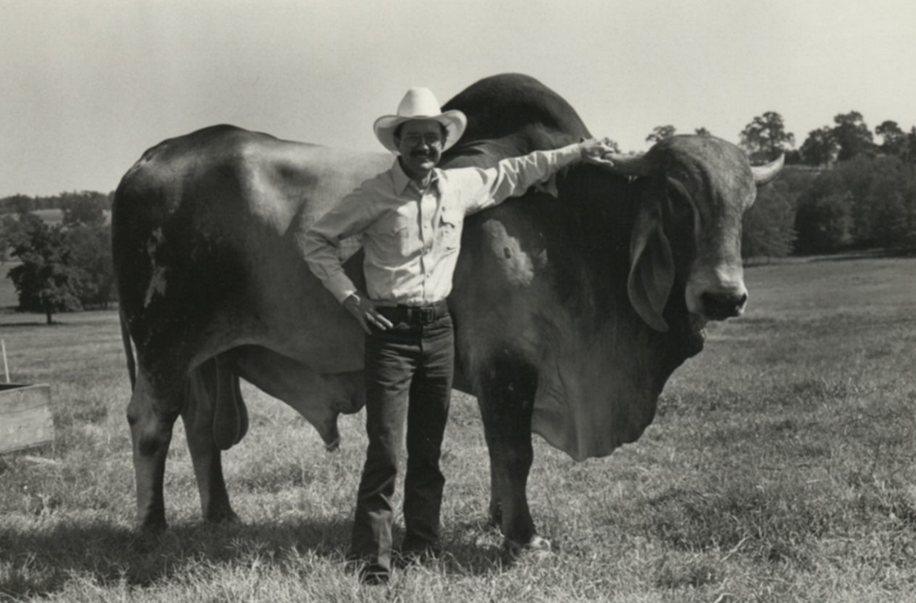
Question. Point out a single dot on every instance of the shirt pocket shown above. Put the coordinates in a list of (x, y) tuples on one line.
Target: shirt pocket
[(449, 230)]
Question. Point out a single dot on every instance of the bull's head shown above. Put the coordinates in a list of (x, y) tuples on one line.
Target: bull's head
[(688, 227)]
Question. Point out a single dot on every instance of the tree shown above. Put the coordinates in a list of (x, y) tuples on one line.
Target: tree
[(852, 135), (47, 279), (768, 227), (20, 204), (91, 254), (702, 132), (823, 223), (84, 208), (7, 227), (660, 133), (820, 148), (765, 138), (894, 140)]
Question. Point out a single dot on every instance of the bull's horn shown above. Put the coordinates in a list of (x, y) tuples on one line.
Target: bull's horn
[(764, 174), (629, 165)]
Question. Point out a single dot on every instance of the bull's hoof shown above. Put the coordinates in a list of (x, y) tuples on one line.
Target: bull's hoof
[(537, 548)]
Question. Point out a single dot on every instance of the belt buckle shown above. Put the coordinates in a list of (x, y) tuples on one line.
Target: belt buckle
[(427, 315)]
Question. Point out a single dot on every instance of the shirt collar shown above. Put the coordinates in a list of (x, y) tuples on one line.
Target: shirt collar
[(402, 180)]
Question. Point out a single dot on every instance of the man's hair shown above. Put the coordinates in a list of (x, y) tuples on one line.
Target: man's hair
[(397, 132)]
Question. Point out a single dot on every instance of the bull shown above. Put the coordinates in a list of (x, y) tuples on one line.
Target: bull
[(572, 305)]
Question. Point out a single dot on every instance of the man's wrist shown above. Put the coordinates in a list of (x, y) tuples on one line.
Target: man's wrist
[(351, 299)]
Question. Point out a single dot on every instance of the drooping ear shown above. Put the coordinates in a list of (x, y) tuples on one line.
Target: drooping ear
[(651, 268)]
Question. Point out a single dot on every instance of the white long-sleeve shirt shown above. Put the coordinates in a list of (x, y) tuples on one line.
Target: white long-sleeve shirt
[(411, 237)]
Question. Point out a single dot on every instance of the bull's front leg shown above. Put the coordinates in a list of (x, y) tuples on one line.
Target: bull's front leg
[(507, 388)]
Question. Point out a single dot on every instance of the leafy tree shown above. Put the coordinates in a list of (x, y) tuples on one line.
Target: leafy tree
[(91, 249), (823, 223), (765, 138), (702, 132), (894, 139), (85, 208), (768, 228), (47, 279), (7, 227), (20, 204), (889, 204), (852, 135), (820, 148), (660, 133)]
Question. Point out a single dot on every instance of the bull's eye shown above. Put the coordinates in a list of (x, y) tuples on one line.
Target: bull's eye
[(679, 203)]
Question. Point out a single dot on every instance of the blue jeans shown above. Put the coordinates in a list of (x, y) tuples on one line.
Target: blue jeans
[(408, 373)]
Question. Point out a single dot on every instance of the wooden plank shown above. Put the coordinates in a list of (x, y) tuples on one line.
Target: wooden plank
[(25, 416)]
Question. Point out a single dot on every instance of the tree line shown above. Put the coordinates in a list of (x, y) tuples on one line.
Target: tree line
[(65, 266), (22, 204)]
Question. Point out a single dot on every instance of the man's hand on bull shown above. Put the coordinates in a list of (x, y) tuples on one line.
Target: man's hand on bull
[(363, 309), (597, 151)]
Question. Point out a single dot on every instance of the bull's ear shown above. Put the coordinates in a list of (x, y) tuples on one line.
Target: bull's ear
[(651, 269)]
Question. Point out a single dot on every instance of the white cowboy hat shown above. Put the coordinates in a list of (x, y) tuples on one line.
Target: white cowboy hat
[(419, 103)]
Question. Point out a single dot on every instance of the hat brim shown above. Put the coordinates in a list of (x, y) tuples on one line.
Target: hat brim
[(454, 122)]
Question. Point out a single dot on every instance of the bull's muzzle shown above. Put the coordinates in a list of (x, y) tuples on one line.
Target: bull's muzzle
[(720, 305)]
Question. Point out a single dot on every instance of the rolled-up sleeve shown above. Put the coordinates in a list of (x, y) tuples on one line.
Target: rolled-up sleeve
[(320, 243), (511, 177)]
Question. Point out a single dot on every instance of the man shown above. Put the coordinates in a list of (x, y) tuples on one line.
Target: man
[(411, 218)]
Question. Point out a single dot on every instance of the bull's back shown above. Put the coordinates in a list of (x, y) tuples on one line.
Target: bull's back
[(204, 232)]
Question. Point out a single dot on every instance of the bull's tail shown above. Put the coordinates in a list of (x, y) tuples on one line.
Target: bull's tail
[(128, 351)]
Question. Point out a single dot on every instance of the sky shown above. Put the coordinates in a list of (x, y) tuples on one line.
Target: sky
[(86, 86)]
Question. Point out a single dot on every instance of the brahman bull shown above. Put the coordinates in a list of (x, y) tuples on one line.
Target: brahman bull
[(572, 305)]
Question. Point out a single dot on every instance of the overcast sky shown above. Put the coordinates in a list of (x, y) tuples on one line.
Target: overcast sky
[(86, 86)]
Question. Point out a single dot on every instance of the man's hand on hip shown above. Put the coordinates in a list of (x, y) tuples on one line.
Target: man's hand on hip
[(364, 310)]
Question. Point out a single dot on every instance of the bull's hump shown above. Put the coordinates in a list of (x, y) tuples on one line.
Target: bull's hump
[(518, 106)]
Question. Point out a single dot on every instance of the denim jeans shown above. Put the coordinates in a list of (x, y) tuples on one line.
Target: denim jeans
[(408, 372)]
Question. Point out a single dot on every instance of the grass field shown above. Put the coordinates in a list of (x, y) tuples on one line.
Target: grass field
[(781, 467)]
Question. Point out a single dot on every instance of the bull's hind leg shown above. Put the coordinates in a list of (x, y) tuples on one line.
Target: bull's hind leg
[(151, 431), (214, 419), (506, 399)]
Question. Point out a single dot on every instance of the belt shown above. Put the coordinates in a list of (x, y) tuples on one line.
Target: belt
[(414, 315)]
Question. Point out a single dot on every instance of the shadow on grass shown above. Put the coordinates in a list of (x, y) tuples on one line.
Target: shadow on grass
[(41, 562)]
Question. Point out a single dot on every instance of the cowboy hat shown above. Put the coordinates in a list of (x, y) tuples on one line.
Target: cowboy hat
[(419, 103)]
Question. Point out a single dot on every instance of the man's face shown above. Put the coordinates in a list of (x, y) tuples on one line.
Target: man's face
[(420, 145)]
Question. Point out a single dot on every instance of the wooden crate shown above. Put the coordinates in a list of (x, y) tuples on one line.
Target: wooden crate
[(25, 416)]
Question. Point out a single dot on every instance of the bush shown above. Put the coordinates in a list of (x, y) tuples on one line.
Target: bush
[(768, 227), (823, 223)]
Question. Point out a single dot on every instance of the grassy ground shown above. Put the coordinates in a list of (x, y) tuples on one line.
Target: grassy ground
[(780, 468)]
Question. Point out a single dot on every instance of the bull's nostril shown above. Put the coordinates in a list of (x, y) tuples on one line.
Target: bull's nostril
[(719, 306)]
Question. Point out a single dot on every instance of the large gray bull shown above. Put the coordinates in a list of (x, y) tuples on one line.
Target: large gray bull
[(572, 305)]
